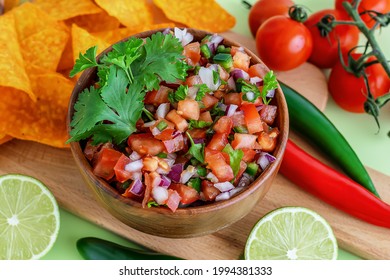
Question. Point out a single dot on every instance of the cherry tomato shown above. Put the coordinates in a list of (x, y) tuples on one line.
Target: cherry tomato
[(283, 43), (264, 9), (349, 92), (381, 6), (325, 52)]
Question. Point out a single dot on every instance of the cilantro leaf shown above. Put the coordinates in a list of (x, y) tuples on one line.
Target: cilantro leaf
[(196, 150), (202, 90), (179, 94), (270, 83), (85, 61), (248, 87), (198, 124), (235, 158)]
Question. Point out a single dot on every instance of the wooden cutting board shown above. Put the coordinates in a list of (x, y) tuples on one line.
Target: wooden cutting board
[(56, 168)]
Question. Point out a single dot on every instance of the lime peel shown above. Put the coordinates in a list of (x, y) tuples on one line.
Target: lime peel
[(29, 218), (291, 233)]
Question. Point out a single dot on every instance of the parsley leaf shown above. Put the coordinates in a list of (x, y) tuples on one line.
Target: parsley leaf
[(270, 83), (85, 61), (196, 150), (179, 94), (235, 158)]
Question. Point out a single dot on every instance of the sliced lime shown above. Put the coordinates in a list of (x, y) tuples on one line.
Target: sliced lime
[(29, 218), (291, 233)]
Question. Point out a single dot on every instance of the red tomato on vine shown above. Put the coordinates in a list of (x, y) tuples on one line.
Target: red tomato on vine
[(350, 92), (265, 9), (325, 52)]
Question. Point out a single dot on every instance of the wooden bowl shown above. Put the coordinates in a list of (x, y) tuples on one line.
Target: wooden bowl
[(190, 221)]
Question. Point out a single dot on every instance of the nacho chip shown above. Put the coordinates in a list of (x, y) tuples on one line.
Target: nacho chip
[(66, 61), (95, 22), (45, 48), (12, 66), (64, 9), (43, 121), (116, 35), (5, 138), (7, 5), (207, 14), (128, 12)]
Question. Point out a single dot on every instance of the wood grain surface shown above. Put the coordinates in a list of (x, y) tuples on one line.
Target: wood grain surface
[(56, 168)]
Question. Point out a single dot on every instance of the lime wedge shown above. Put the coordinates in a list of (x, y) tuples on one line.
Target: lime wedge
[(291, 233), (29, 218)]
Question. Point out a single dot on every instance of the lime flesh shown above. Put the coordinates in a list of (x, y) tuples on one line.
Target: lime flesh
[(291, 233), (29, 218)]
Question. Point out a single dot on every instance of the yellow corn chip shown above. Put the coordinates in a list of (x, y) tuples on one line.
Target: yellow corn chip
[(4, 138), (95, 22), (12, 66), (64, 9), (128, 12), (207, 14), (8, 5)]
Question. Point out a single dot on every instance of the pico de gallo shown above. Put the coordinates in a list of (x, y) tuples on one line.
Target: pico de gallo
[(198, 140)]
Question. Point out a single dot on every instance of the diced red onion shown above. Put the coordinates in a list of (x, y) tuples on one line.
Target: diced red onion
[(192, 91), (176, 133), (134, 156), (216, 40), (160, 195), (222, 196), (166, 31), (258, 108), (155, 131), (156, 181), (231, 84), (271, 93), (175, 172), (198, 140), (222, 106), (239, 73), (184, 37), (172, 156), (265, 159), (165, 181), (173, 200), (256, 81), (207, 77), (137, 188), (235, 191), (136, 175), (134, 166), (212, 177), (224, 186), (212, 47), (162, 110), (187, 174), (245, 181), (232, 108), (250, 95), (149, 124)]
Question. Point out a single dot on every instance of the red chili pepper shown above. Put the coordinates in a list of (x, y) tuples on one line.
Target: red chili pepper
[(333, 187)]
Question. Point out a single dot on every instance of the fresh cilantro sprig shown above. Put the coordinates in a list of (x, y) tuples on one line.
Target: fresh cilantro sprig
[(235, 157), (180, 94), (196, 150), (109, 113), (269, 83), (198, 124)]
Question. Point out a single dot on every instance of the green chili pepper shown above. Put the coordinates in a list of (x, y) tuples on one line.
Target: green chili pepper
[(92, 248), (306, 119)]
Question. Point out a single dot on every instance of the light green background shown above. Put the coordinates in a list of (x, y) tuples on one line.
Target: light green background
[(359, 129)]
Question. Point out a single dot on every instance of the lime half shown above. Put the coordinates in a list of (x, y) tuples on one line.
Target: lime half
[(29, 218), (291, 233)]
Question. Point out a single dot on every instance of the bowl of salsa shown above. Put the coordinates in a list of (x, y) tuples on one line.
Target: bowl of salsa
[(177, 132)]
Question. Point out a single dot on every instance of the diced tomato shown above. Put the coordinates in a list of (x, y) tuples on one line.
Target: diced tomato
[(267, 142), (209, 191), (187, 194), (145, 144), (216, 162), (206, 117), (180, 123), (223, 74), (249, 154), (193, 80), (120, 172), (241, 171), (252, 118), (244, 140), (188, 109), (241, 60), (197, 133), (234, 50), (257, 70), (175, 144), (233, 98), (208, 102), (104, 166), (219, 94), (157, 97), (223, 125), (238, 119), (257, 102), (218, 142), (268, 113), (166, 134), (129, 194), (90, 150), (192, 53), (173, 200)]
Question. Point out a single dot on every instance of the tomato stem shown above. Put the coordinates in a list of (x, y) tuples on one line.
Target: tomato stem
[(298, 13)]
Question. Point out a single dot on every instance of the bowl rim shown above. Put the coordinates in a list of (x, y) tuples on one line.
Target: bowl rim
[(81, 160)]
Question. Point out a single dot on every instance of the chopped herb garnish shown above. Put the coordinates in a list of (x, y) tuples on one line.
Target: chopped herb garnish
[(235, 157), (198, 124), (202, 90), (196, 150), (194, 183), (179, 94), (270, 83)]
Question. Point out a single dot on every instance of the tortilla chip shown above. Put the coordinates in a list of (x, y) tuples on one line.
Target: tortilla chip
[(12, 66), (5, 138), (8, 5), (95, 22), (45, 48), (116, 35), (43, 121), (128, 12), (207, 14), (64, 9), (66, 61)]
